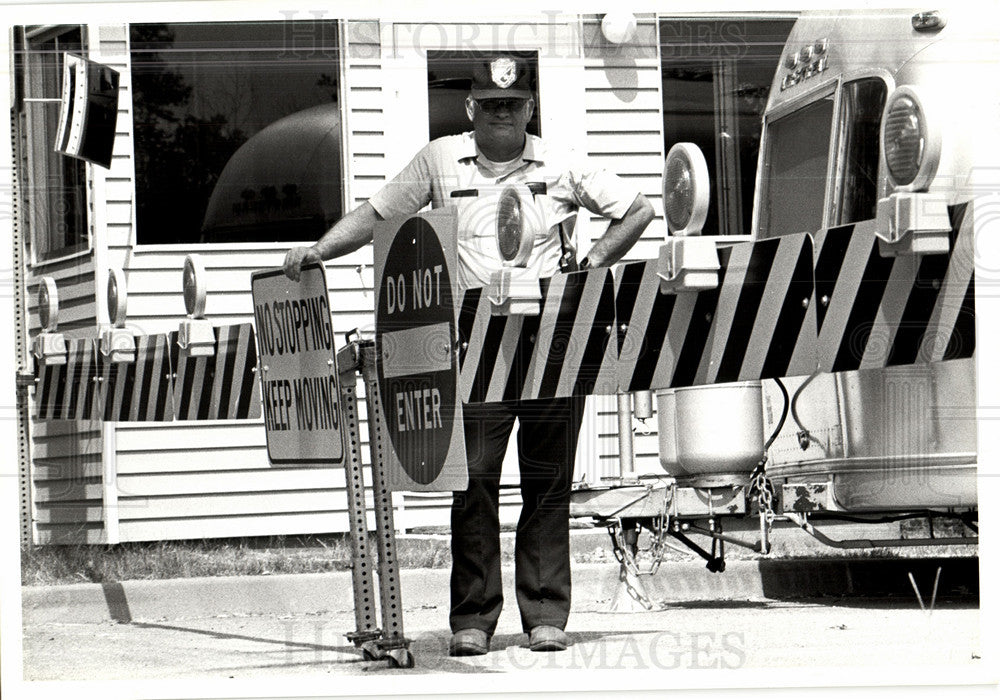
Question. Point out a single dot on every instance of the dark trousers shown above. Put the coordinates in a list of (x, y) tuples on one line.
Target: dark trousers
[(546, 444)]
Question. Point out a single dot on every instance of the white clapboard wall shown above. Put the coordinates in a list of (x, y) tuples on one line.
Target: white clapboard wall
[(212, 479), (67, 455), (624, 123), (190, 479)]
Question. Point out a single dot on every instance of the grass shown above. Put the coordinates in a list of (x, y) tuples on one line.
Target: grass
[(261, 556), (249, 556)]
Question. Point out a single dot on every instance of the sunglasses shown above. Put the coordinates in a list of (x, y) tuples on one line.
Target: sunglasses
[(501, 104)]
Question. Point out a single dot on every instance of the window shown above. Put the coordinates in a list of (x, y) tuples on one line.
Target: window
[(796, 164), (55, 186), (449, 77), (861, 104), (203, 91), (716, 78), (795, 170)]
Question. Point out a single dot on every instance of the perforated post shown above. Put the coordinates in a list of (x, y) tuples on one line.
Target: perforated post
[(388, 568), (365, 615), (21, 348)]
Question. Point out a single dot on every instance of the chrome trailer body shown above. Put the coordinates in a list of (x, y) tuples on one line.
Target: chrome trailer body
[(877, 433)]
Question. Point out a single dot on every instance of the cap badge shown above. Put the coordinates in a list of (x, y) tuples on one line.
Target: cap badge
[(503, 71)]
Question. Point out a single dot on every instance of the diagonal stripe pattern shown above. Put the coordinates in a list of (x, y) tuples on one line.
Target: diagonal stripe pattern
[(569, 349), (780, 310), (758, 323), (140, 390), (222, 386), (69, 391), (879, 311)]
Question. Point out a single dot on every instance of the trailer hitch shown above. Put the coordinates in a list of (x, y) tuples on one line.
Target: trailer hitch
[(717, 535), (716, 559)]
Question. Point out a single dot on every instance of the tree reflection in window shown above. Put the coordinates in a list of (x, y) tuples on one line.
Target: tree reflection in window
[(203, 90)]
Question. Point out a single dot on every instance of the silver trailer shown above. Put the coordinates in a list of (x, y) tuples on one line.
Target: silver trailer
[(878, 142)]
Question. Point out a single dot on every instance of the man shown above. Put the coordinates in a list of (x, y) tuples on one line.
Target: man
[(499, 151)]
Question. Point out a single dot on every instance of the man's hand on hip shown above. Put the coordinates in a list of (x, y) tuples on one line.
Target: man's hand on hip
[(296, 258)]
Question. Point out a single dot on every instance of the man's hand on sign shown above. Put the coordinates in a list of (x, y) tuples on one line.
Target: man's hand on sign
[(296, 258)]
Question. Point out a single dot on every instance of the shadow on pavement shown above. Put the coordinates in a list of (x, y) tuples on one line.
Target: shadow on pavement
[(717, 604), (345, 649), (872, 578)]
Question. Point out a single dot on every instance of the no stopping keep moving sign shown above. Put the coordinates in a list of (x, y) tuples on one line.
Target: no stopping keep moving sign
[(415, 349), (299, 379)]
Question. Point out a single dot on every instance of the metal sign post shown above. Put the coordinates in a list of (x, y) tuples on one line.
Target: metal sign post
[(388, 641), (311, 417)]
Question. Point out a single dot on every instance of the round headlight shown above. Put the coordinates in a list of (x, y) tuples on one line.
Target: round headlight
[(685, 189), (195, 292), (514, 225), (911, 145), (48, 304), (117, 297)]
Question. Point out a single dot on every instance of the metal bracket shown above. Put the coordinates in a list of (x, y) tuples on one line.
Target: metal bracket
[(715, 564), (807, 497), (717, 535), (912, 223), (514, 291), (688, 264)]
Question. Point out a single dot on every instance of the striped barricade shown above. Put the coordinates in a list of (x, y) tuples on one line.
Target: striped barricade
[(221, 386), (756, 324), (137, 391), (69, 391), (876, 311), (568, 349)]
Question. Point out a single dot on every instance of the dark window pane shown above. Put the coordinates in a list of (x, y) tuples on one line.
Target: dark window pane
[(203, 91), (716, 76), (56, 187), (795, 171), (861, 102)]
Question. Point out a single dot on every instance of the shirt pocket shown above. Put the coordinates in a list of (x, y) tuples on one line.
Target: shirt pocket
[(476, 216)]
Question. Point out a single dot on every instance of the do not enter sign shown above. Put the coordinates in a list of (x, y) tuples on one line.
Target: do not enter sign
[(415, 346)]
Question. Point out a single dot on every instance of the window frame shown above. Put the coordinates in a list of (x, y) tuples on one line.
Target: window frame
[(30, 86), (832, 203), (831, 86), (823, 90), (251, 246), (720, 66)]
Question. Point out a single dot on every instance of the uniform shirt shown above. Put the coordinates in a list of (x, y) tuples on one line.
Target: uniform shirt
[(451, 165)]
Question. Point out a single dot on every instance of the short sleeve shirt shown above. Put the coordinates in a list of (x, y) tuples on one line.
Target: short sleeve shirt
[(448, 169)]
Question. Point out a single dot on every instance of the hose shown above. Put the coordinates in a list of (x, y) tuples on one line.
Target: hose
[(784, 415)]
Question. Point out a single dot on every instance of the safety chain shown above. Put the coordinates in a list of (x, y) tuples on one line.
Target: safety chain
[(659, 545), (619, 548), (761, 487), (657, 548), (624, 556)]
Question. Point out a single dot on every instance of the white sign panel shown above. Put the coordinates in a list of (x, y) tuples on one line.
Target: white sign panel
[(299, 379)]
